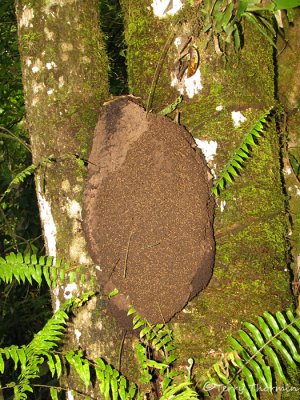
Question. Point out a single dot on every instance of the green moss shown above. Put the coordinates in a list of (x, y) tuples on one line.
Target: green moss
[(216, 89)]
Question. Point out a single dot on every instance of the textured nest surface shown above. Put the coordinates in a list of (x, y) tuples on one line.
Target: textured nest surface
[(147, 212)]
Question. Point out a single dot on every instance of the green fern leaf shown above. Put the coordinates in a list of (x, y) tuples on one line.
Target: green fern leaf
[(284, 352), (53, 393), (81, 366), (2, 365), (132, 391), (258, 338), (58, 366), (265, 328), (240, 155), (260, 369), (181, 391), (122, 387), (51, 365), (242, 388), (138, 324), (259, 351), (292, 318), (115, 385), (275, 362), (248, 376), (25, 268), (131, 311)]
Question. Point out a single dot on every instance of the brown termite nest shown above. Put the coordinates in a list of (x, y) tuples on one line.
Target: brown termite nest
[(148, 212)]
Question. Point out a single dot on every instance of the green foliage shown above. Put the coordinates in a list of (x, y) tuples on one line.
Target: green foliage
[(158, 340), (11, 90), (172, 106), (257, 358), (31, 268), (236, 163), (111, 21), (223, 19), (112, 384), (295, 164), (29, 358)]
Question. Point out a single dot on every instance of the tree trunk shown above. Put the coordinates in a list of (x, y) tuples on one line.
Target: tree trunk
[(289, 96), (65, 80), (250, 274), (65, 77)]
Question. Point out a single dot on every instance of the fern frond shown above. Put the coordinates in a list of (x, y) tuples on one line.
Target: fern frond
[(113, 385), (21, 176), (181, 391), (256, 358), (31, 268), (40, 349), (236, 163), (80, 364), (158, 339)]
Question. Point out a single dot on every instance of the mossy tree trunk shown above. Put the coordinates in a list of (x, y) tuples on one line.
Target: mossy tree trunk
[(289, 96), (65, 77), (65, 81), (250, 274)]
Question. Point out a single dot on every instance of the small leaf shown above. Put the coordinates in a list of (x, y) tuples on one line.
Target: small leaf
[(157, 365), (53, 393), (139, 324), (51, 365), (275, 363), (286, 4), (58, 365), (279, 346), (243, 388), (131, 311), (1, 364), (294, 164), (256, 333), (265, 328), (113, 293)]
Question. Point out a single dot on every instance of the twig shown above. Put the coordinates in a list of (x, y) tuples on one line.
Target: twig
[(11, 135), (127, 252), (159, 66), (121, 351), (161, 312), (66, 390)]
